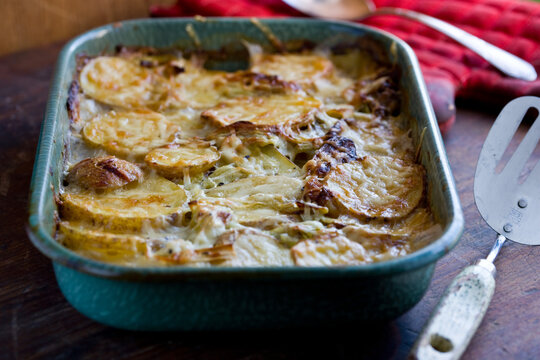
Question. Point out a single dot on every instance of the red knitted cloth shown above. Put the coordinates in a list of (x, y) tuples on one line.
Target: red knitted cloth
[(449, 69)]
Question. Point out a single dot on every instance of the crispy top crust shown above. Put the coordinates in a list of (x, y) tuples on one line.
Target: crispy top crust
[(303, 159), (264, 111)]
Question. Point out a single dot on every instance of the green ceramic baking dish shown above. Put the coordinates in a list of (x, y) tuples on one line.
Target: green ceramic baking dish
[(180, 298)]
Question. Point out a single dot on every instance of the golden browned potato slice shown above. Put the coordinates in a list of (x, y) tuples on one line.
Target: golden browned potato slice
[(177, 160), (329, 250), (132, 133), (107, 172), (154, 202), (199, 88), (254, 248), (102, 245), (117, 81), (376, 186), (271, 110), (283, 186), (300, 68)]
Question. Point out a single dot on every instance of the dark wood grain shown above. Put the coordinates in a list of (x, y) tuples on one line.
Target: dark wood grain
[(37, 322)]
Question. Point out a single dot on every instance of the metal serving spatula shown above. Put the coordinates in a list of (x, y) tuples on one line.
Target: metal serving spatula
[(511, 207)]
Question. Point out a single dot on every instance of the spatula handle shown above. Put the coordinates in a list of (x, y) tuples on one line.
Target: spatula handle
[(458, 314)]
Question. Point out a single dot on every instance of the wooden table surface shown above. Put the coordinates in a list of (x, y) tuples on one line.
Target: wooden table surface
[(37, 322)]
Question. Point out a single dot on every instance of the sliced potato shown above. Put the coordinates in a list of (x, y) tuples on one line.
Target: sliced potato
[(378, 94), (224, 175), (312, 132), (189, 255), (417, 221), (247, 134), (335, 150), (254, 248), (257, 159), (299, 68), (177, 160), (209, 219), (329, 250), (107, 172), (198, 88), (117, 81), (376, 186), (246, 82), (268, 110), (287, 187), (102, 245), (154, 203), (373, 136), (132, 133), (189, 122), (251, 210), (388, 239)]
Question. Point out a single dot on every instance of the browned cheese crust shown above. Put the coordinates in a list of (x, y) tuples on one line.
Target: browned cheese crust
[(305, 158)]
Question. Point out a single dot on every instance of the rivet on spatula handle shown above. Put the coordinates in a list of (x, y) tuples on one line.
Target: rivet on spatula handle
[(458, 314)]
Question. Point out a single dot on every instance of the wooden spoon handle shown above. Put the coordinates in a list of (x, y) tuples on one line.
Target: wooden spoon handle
[(458, 314)]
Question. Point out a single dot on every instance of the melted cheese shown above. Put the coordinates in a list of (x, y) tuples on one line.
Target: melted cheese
[(271, 166), (254, 248)]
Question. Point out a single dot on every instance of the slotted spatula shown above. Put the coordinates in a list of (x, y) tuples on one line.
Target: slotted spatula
[(511, 207)]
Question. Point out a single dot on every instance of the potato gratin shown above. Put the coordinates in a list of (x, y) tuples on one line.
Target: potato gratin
[(304, 159)]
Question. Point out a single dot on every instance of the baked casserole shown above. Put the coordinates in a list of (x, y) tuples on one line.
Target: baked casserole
[(303, 158)]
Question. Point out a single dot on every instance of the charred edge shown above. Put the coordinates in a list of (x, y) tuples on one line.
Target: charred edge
[(315, 191), (148, 63), (384, 100), (335, 150), (80, 62), (72, 103), (335, 130), (223, 216), (243, 128), (171, 70), (177, 69), (111, 166), (130, 50), (263, 81)]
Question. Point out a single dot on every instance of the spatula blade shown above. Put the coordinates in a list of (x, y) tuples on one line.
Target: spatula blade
[(510, 208)]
